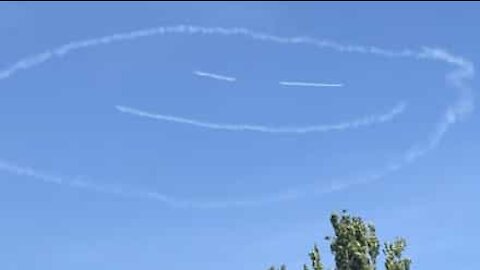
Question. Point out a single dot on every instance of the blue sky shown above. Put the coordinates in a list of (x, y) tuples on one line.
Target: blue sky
[(59, 118)]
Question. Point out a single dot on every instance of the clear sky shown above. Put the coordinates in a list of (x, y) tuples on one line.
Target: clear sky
[(215, 121)]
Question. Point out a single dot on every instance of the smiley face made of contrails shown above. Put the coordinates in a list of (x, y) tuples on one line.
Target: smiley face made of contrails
[(458, 78)]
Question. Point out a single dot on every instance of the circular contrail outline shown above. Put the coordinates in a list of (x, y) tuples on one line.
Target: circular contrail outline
[(463, 72)]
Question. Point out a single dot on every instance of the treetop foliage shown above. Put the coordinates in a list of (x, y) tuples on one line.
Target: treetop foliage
[(355, 246)]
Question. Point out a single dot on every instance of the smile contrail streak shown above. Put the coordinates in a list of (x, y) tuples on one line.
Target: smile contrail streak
[(365, 121)]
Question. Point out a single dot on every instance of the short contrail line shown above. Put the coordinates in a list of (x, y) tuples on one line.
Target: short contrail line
[(214, 76)]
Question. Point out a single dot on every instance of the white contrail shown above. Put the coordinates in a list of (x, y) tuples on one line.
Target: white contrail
[(67, 48), (463, 72), (310, 84), (78, 182), (464, 105), (128, 192), (214, 76), (362, 122)]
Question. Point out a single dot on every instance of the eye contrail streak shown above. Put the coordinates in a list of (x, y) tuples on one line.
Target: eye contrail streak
[(365, 121), (214, 76)]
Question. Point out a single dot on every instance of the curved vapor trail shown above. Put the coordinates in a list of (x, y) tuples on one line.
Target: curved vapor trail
[(78, 182), (214, 76), (362, 122), (65, 49), (459, 77), (310, 84), (129, 192)]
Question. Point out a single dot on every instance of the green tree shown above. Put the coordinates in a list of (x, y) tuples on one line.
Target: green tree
[(393, 255), (315, 259), (355, 246), (282, 267)]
